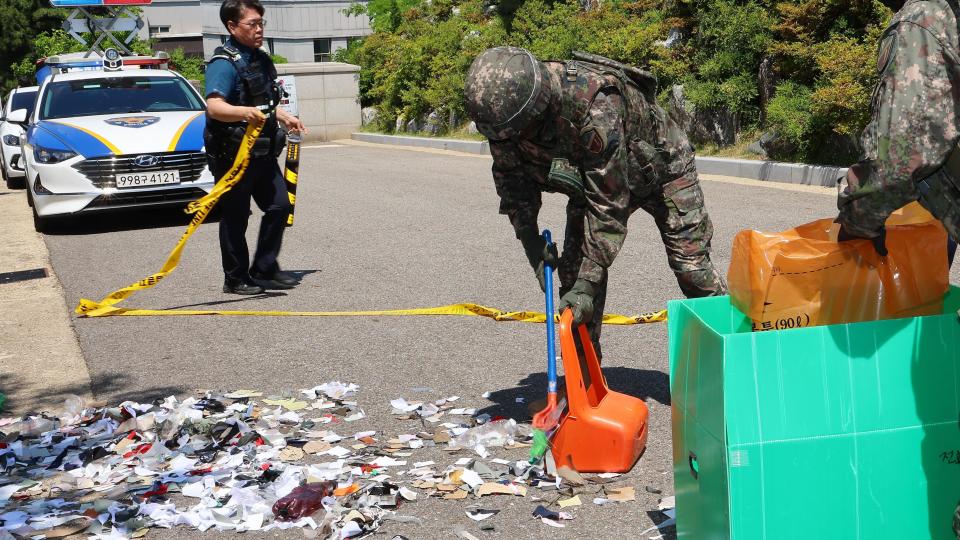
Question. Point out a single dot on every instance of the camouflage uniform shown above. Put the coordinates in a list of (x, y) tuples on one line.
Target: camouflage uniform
[(607, 145), (910, 143)]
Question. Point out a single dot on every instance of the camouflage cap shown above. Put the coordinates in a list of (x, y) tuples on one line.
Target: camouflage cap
[(506, 89)]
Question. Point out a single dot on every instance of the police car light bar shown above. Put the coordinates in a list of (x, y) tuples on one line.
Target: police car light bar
[(69, 62), (85, 3), (160, 60)]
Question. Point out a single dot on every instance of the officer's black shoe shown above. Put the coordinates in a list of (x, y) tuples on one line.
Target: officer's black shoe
[(275, 280), (240, 287)]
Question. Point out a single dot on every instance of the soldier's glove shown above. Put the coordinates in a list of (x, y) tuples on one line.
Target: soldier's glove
[(538, 254), (879, 242), (580, 300)]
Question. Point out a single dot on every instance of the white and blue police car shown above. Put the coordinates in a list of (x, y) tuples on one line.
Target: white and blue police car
[(11, 167), (112, 133)]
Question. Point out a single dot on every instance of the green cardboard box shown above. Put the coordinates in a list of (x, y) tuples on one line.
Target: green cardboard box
[(842, 432)]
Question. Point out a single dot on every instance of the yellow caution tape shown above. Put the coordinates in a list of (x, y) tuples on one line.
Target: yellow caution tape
[(202, 207), (93, 309)]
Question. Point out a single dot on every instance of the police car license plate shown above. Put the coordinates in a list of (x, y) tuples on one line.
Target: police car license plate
[(152, 178)]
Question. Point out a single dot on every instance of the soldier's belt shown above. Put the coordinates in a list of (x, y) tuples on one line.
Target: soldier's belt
[(107, 307)]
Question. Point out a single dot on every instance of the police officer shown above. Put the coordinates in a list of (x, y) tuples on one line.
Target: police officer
[(240, 84), (590, 128), (910, 145)]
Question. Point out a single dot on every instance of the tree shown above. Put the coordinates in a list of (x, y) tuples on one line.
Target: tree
[(385, 15), (20, 22), (51, 42), (191, 67)]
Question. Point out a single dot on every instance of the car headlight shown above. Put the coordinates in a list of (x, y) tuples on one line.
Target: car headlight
[(46, 155), (11, 140)]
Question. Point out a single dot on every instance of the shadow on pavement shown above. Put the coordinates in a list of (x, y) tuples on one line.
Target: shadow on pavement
[(300, 274), (26, 398), (232, 300), (131, 219), (641, 383)]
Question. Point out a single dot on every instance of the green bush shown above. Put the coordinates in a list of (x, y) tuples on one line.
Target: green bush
[(789, 115), (822, 52), (53, 42), (190, 67)]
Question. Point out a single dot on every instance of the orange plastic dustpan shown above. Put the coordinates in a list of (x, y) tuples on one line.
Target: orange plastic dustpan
[(603, 430)]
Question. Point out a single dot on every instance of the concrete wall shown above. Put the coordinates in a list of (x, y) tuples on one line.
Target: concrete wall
[(327, 98)]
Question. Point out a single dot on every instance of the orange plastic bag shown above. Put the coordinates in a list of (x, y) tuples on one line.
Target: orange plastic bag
[(804, 277)]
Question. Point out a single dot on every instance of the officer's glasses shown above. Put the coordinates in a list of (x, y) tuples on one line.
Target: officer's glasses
[(262, 23)]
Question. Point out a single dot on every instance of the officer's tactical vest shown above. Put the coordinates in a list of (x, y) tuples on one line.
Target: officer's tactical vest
[(222, 139)]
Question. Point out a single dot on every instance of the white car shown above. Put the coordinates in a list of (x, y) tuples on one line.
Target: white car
[(11, 164), (105, 139)]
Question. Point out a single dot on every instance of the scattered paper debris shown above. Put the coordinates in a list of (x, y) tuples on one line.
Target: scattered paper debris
[(221, 461), (621, 494), (481, 514), (551, 518)]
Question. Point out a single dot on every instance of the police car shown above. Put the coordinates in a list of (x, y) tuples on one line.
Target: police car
[(12, 165), (112, 133)]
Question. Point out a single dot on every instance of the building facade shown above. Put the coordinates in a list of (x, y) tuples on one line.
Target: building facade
[(172, 24), (298, 30)]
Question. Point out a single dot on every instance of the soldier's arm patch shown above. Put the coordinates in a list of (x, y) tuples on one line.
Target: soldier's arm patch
[(593, 140), (886, 51)]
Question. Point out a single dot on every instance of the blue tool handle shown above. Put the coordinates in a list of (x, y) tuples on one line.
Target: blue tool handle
[(551, 333)]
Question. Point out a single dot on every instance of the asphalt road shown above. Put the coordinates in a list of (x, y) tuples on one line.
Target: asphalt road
[(382, 228)]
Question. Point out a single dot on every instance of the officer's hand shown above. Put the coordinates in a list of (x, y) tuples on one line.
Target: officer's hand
[(252, 115), (292, 123), (580, 300), (879, 242)]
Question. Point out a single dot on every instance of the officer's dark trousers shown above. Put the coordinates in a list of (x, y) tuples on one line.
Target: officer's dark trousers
[(264, 182)]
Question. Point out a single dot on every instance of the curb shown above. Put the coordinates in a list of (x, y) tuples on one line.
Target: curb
[(764, 171), (772, 171), (472, 147)]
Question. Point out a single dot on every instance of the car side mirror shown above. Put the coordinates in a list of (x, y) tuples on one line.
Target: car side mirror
[(18, 116)]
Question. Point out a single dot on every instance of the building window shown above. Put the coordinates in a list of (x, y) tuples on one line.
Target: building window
[(223, 39), (159, 30), (270, 46), (321, 50)]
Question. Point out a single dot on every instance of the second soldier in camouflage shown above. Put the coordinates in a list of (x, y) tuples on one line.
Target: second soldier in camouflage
[(590, 128)]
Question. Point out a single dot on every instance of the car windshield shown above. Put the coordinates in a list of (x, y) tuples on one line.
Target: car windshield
[(117, 95), (23, 100)]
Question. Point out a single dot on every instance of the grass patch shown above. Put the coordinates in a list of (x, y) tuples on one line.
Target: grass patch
[(460, 134), (739, 150)]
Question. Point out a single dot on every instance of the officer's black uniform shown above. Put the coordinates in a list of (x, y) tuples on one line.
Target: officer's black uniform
[(254, 86)]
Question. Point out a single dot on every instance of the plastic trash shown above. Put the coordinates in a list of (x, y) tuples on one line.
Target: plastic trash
[(540, 446), (37, 425), (303, 501), (498, 433), (73, 408), (803, 277)]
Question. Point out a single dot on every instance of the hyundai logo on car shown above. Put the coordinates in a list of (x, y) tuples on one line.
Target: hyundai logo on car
[(146, 160)]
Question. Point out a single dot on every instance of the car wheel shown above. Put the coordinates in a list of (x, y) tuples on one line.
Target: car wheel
[(40, 224), (3, 172), (13, 183)]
